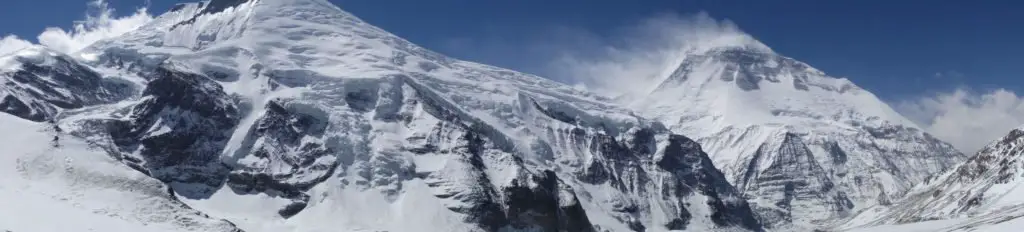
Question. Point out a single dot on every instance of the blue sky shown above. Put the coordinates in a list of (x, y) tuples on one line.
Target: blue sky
[(894, 48), (953, 66)]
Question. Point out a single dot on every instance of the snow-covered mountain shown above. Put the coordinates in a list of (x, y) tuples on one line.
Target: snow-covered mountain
[(55, 182), (974, 195), (36, 83), (293, 115), (804, 147)]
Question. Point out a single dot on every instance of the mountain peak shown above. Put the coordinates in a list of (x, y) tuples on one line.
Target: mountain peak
[(748, 84), (280, 35), (734, 40), (322, 111), (735, 95)]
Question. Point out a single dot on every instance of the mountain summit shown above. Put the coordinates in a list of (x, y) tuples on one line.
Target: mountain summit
[(293, 115), (804, 147)]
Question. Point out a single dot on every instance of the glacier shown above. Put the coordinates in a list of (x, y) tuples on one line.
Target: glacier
[(294, 115), (56, 182), (279, 115), (805, 148)]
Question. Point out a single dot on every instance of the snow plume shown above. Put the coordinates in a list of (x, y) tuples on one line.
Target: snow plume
[(621, 60), (10, 44), (100, 23), (636, 57), (967, 119)]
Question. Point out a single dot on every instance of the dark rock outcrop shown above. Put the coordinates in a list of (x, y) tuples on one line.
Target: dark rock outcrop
[(175, 133), (43, 85)]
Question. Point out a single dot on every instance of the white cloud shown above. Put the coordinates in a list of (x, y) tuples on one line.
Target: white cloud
[(632, 58), (967, 119), (100, 23), (613, 62), (10, 43), (637, 56)]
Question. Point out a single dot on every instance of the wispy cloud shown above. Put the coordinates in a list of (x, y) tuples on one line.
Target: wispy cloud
[(634, 57), (100, 23), (611, 62), (628, 59), (11, 43), (967, 119), (638, 56)]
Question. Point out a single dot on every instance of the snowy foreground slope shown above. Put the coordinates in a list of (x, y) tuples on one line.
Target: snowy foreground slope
[(293, 115), (804, 147), (70, 186), (980, 194)]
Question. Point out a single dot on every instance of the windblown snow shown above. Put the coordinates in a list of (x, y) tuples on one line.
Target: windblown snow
[(804, 147), (283, 115), (294, 115)]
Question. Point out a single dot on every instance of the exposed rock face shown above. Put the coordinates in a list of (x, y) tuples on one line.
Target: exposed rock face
[(981, 191), (174, 133), (178, 129), (246, 115), (83, 187), (669, 168), (41, 82), (784, 180), (803, 147)]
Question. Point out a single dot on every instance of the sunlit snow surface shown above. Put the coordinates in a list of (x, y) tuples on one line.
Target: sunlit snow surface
[(990, 223), (757, 112), (75, 187), (982, 194), (394, 118), (393, 115)]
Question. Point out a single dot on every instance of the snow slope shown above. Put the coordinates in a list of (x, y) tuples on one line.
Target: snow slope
[(75, 187), (980, 192), (293, 115), (36, 83), (992, 223), (987, 223), (803, 146)]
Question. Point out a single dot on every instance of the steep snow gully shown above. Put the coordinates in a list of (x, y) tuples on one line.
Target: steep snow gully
[(294, 115)]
